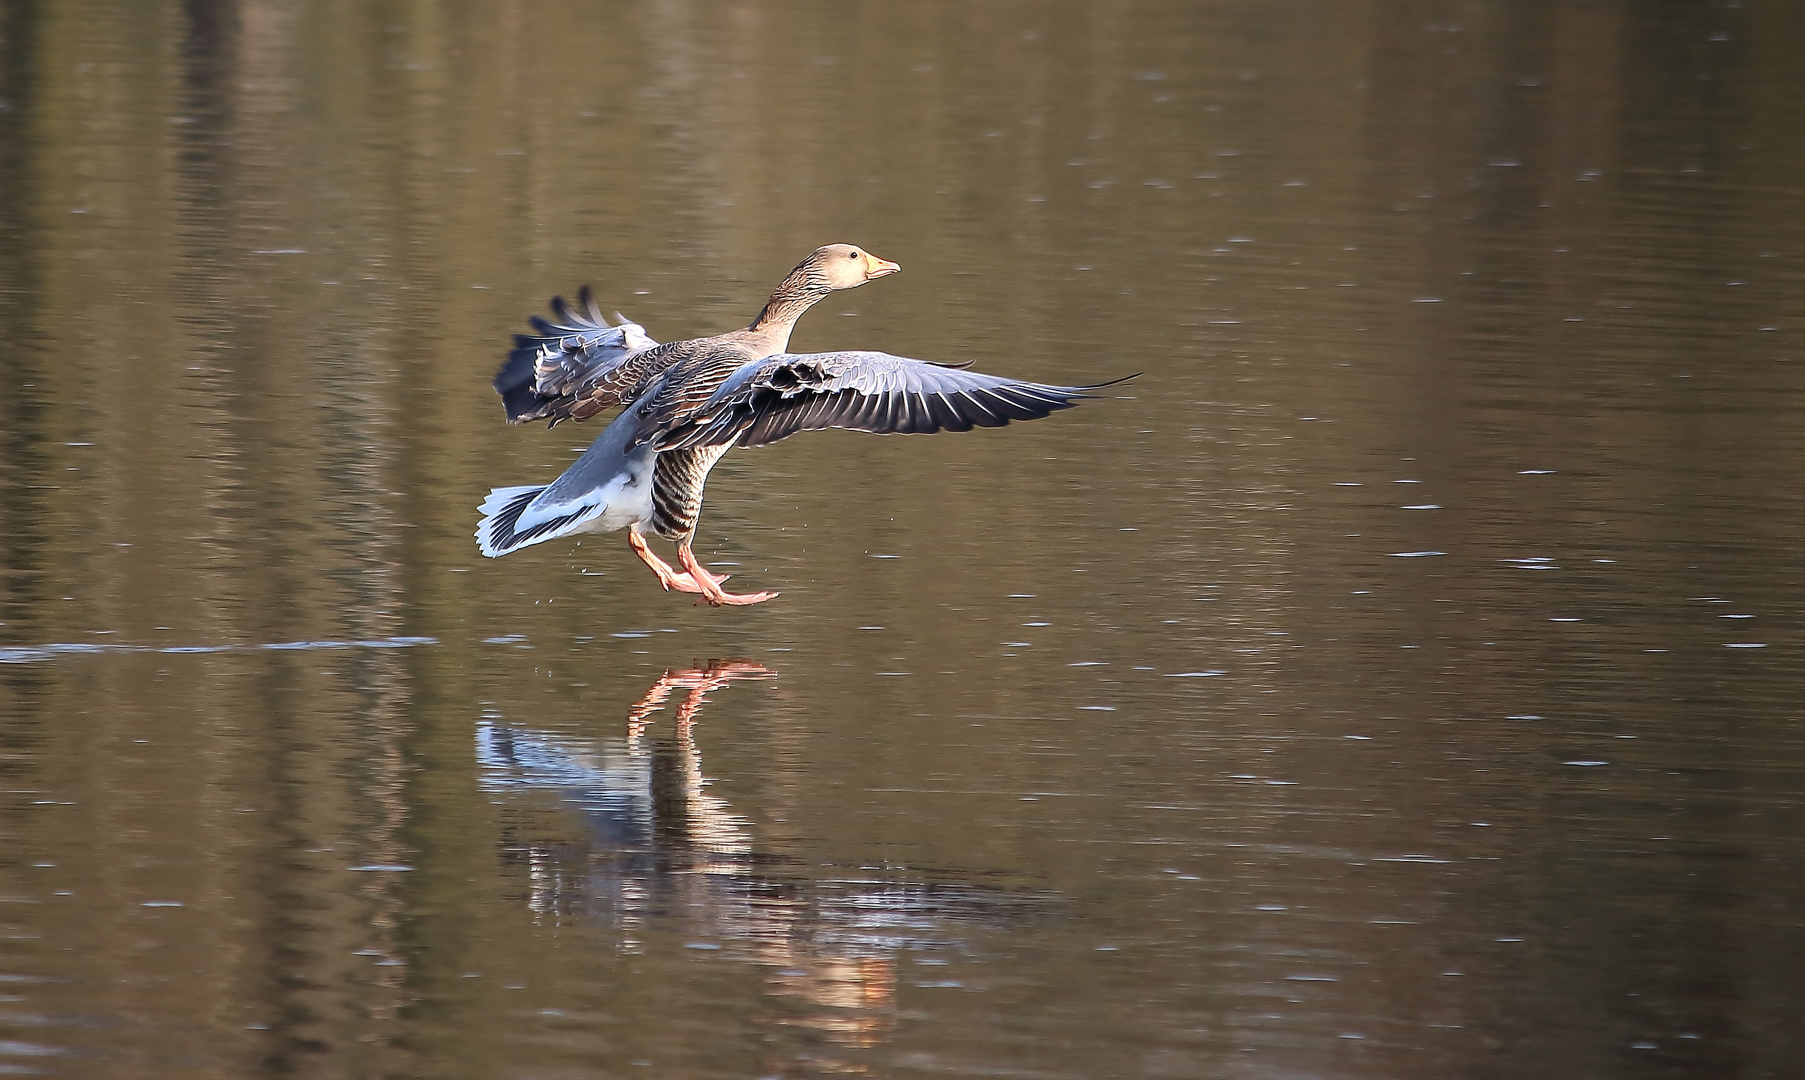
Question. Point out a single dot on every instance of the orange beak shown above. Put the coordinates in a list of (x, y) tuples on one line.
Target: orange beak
[(877, 268)]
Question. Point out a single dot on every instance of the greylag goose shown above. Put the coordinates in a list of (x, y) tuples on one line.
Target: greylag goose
[(689, 402)]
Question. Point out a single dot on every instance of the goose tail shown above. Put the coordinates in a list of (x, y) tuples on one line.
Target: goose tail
[(500, 531)]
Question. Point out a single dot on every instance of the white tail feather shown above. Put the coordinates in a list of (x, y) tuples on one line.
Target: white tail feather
[(501, 530)]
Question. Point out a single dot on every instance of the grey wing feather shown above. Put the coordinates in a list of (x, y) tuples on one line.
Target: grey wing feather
[(575, 355), (780, 395), (689, 382)]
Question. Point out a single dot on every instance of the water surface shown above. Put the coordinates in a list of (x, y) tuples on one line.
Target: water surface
[(1400, 678)]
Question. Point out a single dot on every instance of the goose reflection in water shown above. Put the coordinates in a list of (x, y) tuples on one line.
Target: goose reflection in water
[(661, 851)]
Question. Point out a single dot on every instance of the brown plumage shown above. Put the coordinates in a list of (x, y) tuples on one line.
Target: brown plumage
[(579, 365)]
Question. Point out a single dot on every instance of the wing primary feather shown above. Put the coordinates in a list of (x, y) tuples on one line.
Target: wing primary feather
[(783, 419), (1013, 409), (932, 418), (880, 413), (758, 415), (949, 415), (820, 412), (1036, 404), (921, 417), (757, 433), (989, 418), (763, 417), (867, 391)]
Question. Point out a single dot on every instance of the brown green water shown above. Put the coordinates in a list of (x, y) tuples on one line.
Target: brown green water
[(1402, 678)]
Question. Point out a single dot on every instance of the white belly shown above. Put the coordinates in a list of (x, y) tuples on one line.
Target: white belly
[(610, 485), (627, 497)]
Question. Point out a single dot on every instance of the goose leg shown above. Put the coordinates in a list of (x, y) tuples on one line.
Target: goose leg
[(712, 592), (699, 681), (668, 576)]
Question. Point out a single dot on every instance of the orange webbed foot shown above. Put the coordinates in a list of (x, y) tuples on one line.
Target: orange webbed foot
[(713, 594)]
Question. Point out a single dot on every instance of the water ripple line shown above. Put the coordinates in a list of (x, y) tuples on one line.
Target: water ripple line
[(35, 654)]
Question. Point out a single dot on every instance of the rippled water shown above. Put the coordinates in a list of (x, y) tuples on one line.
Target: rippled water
[(1400, 678)]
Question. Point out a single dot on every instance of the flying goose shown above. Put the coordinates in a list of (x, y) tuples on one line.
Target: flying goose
[(689, 402)]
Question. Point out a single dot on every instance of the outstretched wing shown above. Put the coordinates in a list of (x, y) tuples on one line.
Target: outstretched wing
[(778, 396), (577, 365)]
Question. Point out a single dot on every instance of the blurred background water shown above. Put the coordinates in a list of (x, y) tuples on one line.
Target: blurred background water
[(1400, 678)]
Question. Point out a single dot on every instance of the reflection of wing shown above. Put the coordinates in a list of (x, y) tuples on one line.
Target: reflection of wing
[(612, 787), (513, 757), (874, 917), (619, 787), (667, 855), (577, 357), (780, 395)]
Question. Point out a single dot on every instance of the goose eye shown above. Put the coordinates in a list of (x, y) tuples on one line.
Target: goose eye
[(852, 254)]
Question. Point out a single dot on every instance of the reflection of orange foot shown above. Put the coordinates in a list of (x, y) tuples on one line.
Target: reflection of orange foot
[(712, 592), (725, 671), (718, 598), (669, 576), (698, 681)]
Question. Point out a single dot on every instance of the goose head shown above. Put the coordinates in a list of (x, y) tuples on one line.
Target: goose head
[(845, 266)]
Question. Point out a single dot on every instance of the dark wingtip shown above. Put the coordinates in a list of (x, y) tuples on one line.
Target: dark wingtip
[(516, 372), (1084, 392), (521, 404), (1116, 382), (590, 307)]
